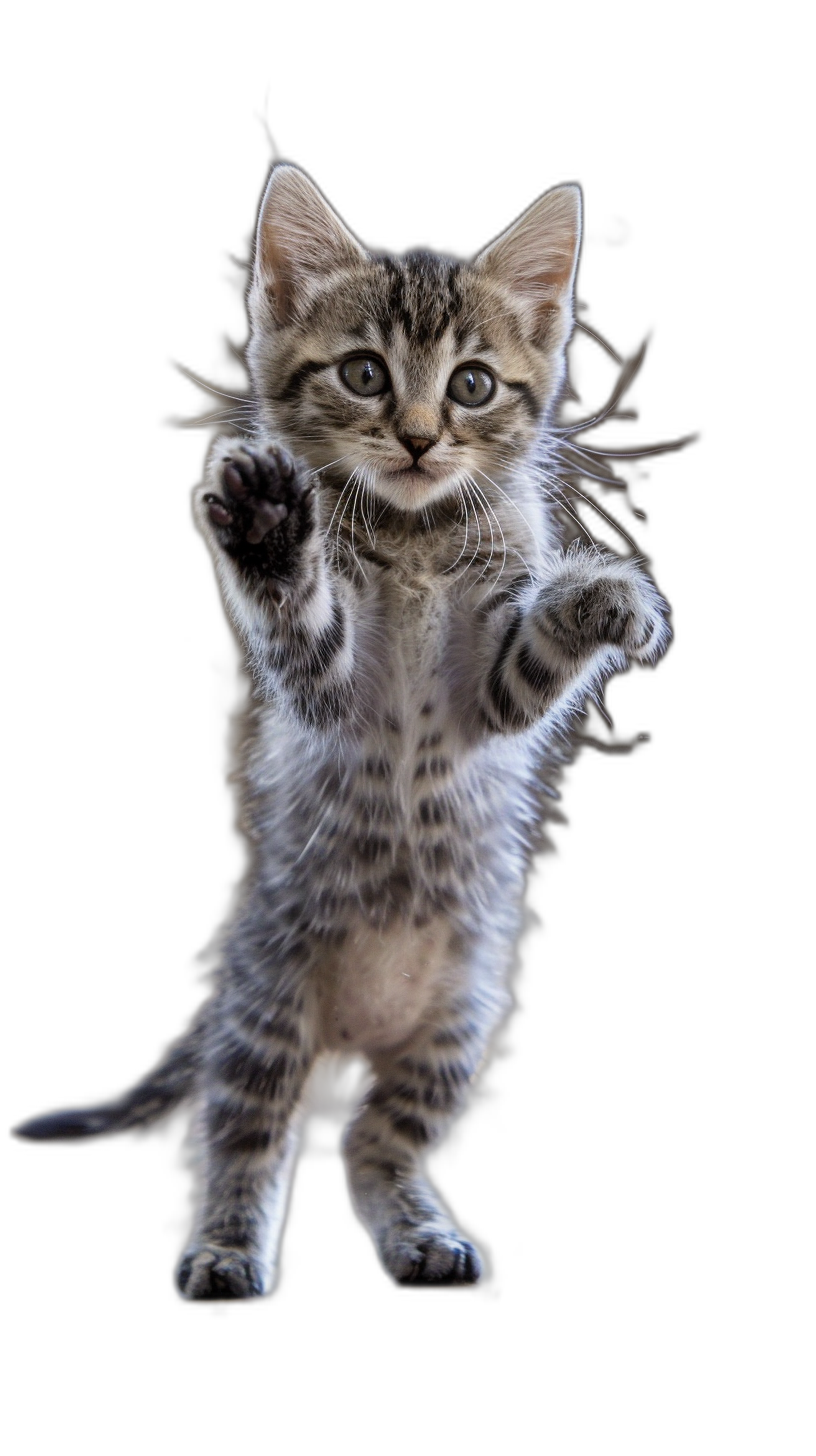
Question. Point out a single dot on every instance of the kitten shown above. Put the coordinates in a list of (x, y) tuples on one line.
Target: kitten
[(417, 635)]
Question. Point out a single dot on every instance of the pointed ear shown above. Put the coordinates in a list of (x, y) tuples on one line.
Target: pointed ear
[(300, 240), (536, 259)]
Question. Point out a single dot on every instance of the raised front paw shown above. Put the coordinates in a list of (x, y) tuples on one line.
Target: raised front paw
[(597, 601), (260, 510), (211, 1272)]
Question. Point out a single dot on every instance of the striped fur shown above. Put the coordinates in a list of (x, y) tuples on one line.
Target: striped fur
[(416, 636)]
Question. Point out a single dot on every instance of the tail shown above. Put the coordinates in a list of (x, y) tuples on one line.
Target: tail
[(158, 1093)]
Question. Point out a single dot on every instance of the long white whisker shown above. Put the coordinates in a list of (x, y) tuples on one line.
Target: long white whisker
[(463, 508), (489, 511), (337, 507), (593, 504), (575, 468), (233, 427), (516, 508), (355, 498), (488, 522), (610, 520), (367, 491), (207, 388), (475, 505), (340, 498), (563, 504), (327, 466)]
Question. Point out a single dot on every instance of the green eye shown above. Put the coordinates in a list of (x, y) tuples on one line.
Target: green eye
[(471, 385), (365, 375)]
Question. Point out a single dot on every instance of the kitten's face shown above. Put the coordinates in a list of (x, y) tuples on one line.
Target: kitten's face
[(412, 375)]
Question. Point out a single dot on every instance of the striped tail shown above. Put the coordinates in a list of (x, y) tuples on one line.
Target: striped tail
[(158, 1093)]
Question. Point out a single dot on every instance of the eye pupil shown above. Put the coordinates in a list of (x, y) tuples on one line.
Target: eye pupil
[(471, 385), (365, 376)]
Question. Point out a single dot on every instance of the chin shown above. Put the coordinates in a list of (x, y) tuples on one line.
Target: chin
[(412, 489)]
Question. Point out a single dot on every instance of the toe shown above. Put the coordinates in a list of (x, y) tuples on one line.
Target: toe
[(219, 1274)]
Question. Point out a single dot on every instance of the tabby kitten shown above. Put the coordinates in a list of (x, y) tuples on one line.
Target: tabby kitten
[(416, 634)]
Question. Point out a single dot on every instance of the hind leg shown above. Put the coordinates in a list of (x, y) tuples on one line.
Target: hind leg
[(255, 1071), (416, 1092)]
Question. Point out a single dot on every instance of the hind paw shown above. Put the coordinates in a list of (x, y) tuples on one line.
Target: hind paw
[(433, 1257), (215, 1273)]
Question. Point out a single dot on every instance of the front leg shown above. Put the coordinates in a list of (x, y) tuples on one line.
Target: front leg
[(545, 651), (256, 511)]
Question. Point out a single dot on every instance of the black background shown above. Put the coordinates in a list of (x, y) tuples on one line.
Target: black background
[(585, 1164)]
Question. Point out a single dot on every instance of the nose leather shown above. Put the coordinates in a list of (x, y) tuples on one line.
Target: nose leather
[(416, 446)]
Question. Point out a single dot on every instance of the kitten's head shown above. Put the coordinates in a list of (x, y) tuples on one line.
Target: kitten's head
[(417, 372)]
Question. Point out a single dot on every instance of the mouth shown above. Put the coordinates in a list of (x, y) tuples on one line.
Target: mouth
[(412, 472), (411, 487)]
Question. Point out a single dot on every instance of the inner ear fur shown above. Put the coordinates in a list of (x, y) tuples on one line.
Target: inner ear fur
[(536, 259), (300, 240)]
